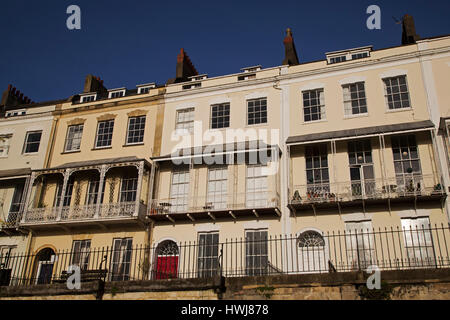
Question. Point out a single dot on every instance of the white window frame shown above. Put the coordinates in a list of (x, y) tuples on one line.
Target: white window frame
[(211, 115), (217, 195), (128, 130), (142, 87), (256, 189), (348, 100), (202, 257), (258, 257), (87, 96), (26, 142), (179, 201), (121, 93), (67, 137), (257, 113), (386, 94), (4, 147), (97, 134), (189, 128), (321, 105)]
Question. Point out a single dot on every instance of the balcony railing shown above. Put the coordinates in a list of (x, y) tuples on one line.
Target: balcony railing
[(84, 212), (368, 189), (212, 203), (11, 220)]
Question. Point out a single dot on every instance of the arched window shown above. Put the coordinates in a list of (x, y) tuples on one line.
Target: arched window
[(166, 266), (310, 239), (167, 248), (311, 252)]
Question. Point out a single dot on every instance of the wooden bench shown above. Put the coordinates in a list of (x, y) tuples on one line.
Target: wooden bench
[(85, 275)]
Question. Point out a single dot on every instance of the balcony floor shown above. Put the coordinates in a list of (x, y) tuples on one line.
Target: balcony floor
[(299, 206), (216, 214)]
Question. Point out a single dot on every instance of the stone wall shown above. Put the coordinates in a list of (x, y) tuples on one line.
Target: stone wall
[(430, 284)]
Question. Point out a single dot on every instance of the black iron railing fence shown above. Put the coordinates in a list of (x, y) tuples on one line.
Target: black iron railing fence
[(255, 255)]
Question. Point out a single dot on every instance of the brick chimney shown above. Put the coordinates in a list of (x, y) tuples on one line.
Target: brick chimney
[(409, 35), (185, 68), (12, 97), (290, 54), (94, 84)]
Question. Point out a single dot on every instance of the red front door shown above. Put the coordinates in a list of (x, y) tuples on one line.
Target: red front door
[(166, 267)]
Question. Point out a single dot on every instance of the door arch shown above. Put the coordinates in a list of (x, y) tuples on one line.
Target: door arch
[(311, 248), (166, 264), (45, 260)]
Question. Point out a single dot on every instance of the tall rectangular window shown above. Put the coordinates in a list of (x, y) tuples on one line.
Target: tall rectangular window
[(32, 141), (16, 203), (313, 105), (361, 168), (128, 190), (185, 120), (354, 99), (136, 129), (360, 245), (104, 134), (217, 188), (407, 166), (396, 93), (92, 194), (257, 111), (80, 253), (318, 179), (256, 252), (256, 193), (5, 141), (179, 191), (67, 199), (121, 259), (220, 116), (418, 242), (208, 254), (73, 139)]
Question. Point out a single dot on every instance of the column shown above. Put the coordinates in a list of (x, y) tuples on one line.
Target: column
[(67, 174), (29, 189), (140, 168), (100, 190)]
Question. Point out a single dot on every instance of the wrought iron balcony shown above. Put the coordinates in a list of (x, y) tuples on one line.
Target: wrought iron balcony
[(84, 213), (400, 188), (212, 207)]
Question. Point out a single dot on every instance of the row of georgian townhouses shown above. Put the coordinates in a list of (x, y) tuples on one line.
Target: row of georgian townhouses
[(216, 171)]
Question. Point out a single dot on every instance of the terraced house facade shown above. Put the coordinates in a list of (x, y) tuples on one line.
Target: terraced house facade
[(332, 165)]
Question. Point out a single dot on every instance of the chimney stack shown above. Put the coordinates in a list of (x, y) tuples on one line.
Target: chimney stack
[(290, 54), (12, 97), (409, 35), (94, 84), (185, 68)]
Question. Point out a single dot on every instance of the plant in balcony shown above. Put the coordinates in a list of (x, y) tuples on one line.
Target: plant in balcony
[(409, 170), (296, 197)]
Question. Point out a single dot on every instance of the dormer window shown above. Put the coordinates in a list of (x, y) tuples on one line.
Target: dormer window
[(145, 88), (347, 55), (249, 73), (15, 113), (198, 77), (192, 85), (338, 59), (88, 98), (116, 93)]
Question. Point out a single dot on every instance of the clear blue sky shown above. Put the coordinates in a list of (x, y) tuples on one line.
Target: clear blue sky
[(132, 42)]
